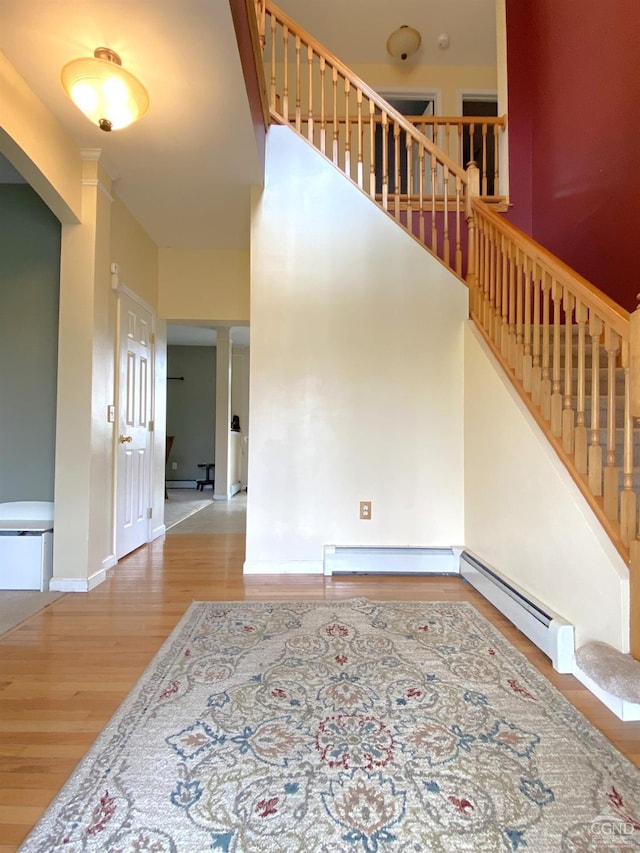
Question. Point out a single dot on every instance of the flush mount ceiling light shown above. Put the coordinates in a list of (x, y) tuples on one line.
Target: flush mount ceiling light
[(109, 96), (404, 42)]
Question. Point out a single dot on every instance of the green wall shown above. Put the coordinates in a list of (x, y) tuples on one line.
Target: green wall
[(191, 410), (29, 294)]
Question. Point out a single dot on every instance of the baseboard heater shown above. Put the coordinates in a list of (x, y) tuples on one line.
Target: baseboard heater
[(342, 559), (550, 632)]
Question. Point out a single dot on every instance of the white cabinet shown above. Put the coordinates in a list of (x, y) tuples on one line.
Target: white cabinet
[(26, 545), (26, 557)]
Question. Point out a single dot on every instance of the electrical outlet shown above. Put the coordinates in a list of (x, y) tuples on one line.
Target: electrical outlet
[(174, 466), (365, 510)]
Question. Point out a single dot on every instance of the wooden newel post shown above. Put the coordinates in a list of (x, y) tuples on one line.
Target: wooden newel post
[(473, 191), (634, 545), (261, 17)]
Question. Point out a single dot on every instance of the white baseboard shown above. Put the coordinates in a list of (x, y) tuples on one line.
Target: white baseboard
[(109, 562), (547, 630), (284, 567), (77, 584), (235, 488), (624, 710), (158, 531), (384, 560)]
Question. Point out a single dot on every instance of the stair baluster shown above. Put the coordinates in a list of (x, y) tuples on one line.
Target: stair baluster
[(594, 459), (545, 380), (511, 342), (519, 300), (580, 452), (527, 356), (568, 413), (556, 396), (611, 484)]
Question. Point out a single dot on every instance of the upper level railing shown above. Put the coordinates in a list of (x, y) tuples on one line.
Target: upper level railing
[(468, 139)]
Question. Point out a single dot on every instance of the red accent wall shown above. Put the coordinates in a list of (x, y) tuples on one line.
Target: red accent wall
[(574, 134)]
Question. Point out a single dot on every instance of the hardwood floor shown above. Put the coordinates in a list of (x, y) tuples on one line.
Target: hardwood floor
[(65, 671)]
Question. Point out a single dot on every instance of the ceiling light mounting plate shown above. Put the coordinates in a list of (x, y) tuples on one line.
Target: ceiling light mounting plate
[(108, 54)]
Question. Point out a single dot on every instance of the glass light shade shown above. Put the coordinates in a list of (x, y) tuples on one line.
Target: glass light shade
[(109, 96), (404, 42)]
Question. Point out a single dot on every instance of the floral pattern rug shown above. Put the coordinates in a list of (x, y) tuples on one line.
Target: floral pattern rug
[(344, 726)]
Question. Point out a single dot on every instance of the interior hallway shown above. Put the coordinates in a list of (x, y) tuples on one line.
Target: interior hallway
[(64, 672)]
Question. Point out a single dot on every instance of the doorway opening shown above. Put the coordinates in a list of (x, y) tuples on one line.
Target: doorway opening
[(410, 104)]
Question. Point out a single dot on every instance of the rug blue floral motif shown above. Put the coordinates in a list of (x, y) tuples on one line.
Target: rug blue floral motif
[(344, 726)]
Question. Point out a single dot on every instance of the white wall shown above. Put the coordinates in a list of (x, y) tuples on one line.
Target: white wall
[(356, 372), (525, 516), (240, 403)]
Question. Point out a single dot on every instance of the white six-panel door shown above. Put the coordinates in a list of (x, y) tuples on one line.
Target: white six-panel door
[(133, 419)]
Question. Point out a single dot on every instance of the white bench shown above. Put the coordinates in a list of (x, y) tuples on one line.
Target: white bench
[(26, 544)]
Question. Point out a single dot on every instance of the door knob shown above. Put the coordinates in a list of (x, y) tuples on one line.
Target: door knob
[(125, 438)]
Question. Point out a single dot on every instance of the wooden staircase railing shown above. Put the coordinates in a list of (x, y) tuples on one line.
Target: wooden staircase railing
[(376, 147), (572, 353), (574, 356), (566, 347)]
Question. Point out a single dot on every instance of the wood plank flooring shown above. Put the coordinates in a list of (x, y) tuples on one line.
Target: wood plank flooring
[(64, 672)]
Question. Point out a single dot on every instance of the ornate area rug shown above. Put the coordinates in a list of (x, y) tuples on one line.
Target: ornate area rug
[(344, 726)]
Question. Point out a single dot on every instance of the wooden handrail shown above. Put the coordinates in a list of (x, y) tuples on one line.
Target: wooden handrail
[(613, 314), (357, 83), (569, 350), (373, 144), (499, 121), (490, 121)]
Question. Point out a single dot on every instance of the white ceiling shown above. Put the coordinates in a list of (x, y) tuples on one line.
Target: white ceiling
[(184, 170)]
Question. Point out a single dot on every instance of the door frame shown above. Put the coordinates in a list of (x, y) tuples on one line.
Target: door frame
[(392, 93), (477, 95), (414, 94), (122, 289)]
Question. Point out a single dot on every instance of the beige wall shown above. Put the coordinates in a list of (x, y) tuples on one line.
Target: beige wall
[(83, 514), (135, 253), (355, 394), (449, 81), (202, 284), (84, 536), (525, 516), (97, 230)]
